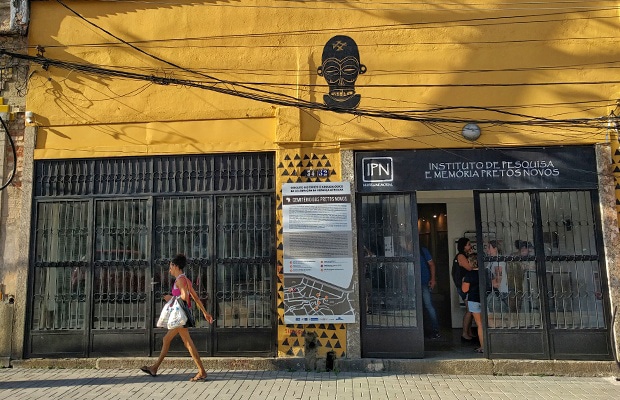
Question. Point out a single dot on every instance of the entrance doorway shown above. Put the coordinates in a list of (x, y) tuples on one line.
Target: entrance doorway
[(433, 234)]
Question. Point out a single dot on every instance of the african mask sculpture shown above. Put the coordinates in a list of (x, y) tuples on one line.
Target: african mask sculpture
[(340, 68)]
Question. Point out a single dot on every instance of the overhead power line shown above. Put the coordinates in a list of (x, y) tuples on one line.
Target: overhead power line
[(285, 100)]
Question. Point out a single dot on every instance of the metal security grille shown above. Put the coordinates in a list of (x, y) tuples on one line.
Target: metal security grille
[(556, 250), (183, 225), (106, 230), (60, 261), (120, 264), (514, 301), (388, 261), (573, 272), (243, 274), (131, 176)]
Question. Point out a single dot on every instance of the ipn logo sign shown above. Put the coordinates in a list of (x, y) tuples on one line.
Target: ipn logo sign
[(378, 169)]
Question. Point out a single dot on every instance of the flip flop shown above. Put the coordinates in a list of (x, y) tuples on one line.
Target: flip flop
[(198, 379), (146, 370)]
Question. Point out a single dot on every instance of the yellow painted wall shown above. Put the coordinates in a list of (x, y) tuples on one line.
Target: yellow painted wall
[(419, 57), (156, 137), (528, 61)]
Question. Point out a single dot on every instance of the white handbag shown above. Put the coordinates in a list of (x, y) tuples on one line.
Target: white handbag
[(177, 318), (162, 322)]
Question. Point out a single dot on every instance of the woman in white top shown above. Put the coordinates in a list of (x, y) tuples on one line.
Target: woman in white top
[(499, 279)]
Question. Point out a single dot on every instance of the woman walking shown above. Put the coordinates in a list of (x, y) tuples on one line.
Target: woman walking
[(183, 289)]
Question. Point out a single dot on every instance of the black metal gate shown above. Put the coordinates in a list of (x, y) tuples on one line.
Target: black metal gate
[(545, 285), (391, 322), (105, 230)]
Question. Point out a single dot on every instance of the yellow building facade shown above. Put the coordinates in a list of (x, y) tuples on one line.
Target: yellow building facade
[(317, 84)]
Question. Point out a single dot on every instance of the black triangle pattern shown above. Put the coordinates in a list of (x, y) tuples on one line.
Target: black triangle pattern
[(292, 174)]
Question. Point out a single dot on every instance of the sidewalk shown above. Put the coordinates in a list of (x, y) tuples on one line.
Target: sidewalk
[(117, 384)]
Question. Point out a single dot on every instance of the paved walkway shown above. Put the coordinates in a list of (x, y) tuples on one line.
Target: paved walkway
[(110, 384)]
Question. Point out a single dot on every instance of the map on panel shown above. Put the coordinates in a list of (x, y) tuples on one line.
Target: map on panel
[(318, 259)]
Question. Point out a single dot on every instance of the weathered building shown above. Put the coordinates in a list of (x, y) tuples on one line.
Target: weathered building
[(14, 200), (172, 128)]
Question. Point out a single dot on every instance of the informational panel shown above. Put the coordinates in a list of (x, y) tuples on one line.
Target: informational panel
[(318, 253)]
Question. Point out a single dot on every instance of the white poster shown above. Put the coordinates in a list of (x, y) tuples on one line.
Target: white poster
[(318, 258)]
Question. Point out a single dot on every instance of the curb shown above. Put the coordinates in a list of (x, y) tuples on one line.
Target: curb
[(409, 366)]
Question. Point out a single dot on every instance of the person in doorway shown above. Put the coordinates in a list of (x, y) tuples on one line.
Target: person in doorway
[(460, 266), (471, 286), (516, 272), (182, 288), (427, 272), (498, 277)]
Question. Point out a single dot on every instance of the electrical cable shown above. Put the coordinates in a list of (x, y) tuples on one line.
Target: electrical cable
[(159, 58), (413, 25), (12, 144), (277, 98), (459, 7)]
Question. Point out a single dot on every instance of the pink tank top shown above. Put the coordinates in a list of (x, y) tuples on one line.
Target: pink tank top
[(175, 290)]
